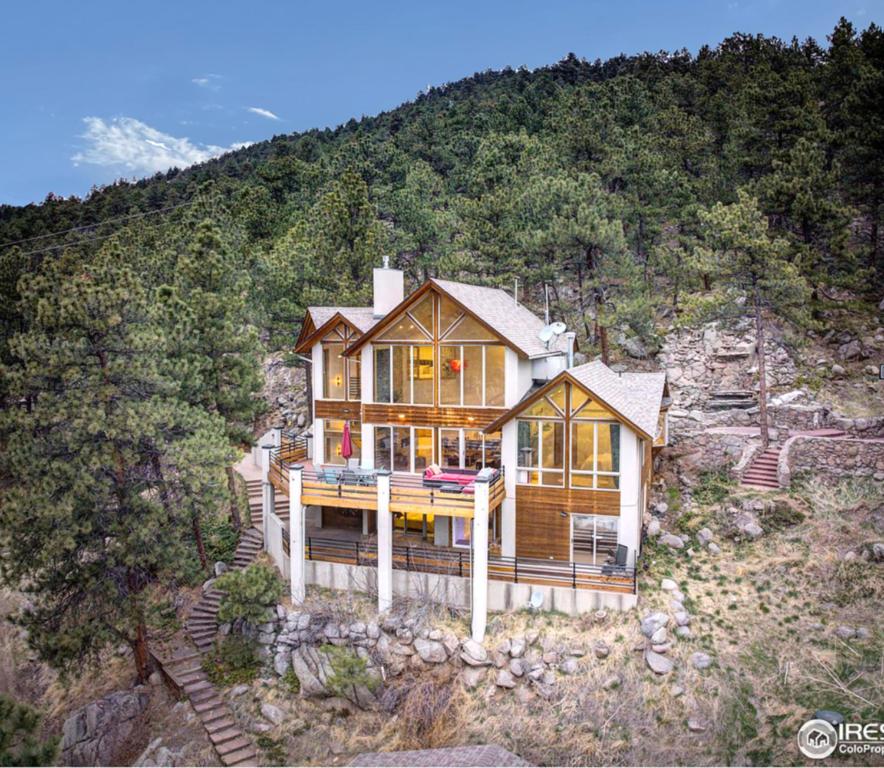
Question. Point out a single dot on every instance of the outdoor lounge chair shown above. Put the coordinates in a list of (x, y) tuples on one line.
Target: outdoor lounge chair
[(618, 568)]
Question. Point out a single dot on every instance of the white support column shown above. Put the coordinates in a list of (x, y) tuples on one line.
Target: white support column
[(277, 436), (480, 559), (385, 543), (268, 499), (296, 533)]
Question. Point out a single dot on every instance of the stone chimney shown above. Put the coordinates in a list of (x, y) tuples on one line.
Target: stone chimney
[(389, 288)]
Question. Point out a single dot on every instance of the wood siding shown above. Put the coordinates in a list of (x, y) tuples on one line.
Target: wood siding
[(542, 531), (428, 415), (337, 409)]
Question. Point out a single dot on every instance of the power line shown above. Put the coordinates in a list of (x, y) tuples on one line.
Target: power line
[(83, 227)]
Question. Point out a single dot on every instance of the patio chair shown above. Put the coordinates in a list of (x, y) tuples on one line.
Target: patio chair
[(618, 567), (330, 476)]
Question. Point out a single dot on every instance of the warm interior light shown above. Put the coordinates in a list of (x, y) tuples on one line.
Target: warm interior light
[(401, 415), (339, 381), (338, 449)]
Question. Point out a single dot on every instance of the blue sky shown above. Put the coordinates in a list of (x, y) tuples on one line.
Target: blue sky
[(92, 91)]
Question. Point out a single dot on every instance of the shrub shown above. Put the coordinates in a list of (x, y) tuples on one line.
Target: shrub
[(235, 662), (714, 486), (219, 538), (291, 683), (249, 594), (349, 672)]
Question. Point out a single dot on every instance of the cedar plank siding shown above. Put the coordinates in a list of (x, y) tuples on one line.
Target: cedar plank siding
[(337, 409), (429, 415), (541, 531)]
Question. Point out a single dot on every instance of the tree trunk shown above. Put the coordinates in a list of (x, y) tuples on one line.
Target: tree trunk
[(141, 653), (602, 333), (198, 537), (762, 372), (235, 519)]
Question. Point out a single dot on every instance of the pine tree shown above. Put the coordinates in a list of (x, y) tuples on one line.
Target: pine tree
[(89, 520), (18, 736), (753, 272)]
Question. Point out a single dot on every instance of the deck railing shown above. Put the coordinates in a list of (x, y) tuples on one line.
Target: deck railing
[(339, 486), (455, 562)]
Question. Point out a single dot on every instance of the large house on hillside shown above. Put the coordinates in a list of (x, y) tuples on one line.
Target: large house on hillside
[(455, 447)]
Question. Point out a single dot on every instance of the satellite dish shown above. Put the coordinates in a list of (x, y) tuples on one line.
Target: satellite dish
[(548, 331)]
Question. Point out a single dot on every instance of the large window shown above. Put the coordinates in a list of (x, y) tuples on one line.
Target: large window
[(595, 455), (593, 538), (403, 449), (333, 435), (471, 374), (469, 448), (333, 384), (340, 375), (403, 373), (541, 452), (593, 441)]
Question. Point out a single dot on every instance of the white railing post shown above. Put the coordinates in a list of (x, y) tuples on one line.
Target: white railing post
[(268, 498), (479, 575), (277, 436), (296, 533), (385, 543)]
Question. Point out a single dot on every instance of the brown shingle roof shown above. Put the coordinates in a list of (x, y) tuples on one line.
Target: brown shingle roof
[(497, 310), (637, 396), (361, 317)]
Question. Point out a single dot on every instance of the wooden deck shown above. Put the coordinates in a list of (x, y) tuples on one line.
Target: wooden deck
[(408, 495)]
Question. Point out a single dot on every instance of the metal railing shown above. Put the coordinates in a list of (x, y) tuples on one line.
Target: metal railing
[(455, 562)]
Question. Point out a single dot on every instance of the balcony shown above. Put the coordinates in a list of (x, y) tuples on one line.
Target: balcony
[(356, 488)]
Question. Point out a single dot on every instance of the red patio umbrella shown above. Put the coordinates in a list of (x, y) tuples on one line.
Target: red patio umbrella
[(346, 442)]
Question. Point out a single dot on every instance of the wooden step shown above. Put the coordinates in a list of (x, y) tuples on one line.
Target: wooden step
[(246, 756), (208, 704), (233, 745), (219, 723), (197, 686), (225, 734)]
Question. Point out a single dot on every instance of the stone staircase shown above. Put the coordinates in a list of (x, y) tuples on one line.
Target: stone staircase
[(182, 666), (762, 472), (726, 399)]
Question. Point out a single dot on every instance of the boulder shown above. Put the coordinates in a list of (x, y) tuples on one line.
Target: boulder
[(569, 666), (504, 679), (654, 528), (672, 541), (272, 714), (517, 647), (652, 622), (430, 651), (474, 653), (696, 725), (660, 636), (281, 663), (601, 649), (701, 660), (517, 667), (99, 733), (472, 677), (658, 663), (668, 585), (851, 350), (713, 548), (219, 568), (845, 633), (704, 536), (682, 618), (312, 668)]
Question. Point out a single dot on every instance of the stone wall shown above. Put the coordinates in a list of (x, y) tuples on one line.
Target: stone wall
[(98, 734), (732, 448), (294, 641), (831, 458), (704, 360)]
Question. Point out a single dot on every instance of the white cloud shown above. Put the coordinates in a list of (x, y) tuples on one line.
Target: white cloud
[(128, 144), (263, 113), (209, 81)]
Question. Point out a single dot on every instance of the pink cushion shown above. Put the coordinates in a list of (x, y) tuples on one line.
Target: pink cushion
[(471, 488), (454, 477), (431, 471)]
